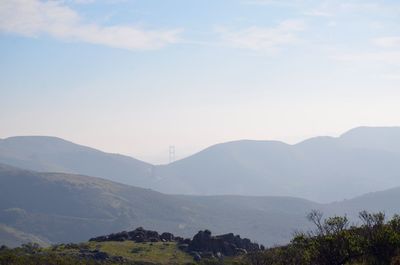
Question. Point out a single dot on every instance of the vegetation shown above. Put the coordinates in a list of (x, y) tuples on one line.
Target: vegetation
[(335, 242), (96, 253), (157, 252)]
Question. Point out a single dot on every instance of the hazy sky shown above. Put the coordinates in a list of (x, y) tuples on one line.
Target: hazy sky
[(134, 77)]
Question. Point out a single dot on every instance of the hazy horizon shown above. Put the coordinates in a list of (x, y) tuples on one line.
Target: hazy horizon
[(163, 158), (134, 77), (181, 132)]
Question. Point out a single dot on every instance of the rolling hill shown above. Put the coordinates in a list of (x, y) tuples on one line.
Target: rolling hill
[(12, 237), (52, 154), (322, 169), (59, 207)]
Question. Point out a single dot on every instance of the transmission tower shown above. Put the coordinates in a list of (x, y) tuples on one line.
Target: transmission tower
[(171, 153)]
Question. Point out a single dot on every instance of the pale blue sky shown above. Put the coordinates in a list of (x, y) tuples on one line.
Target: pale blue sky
[(134, 77)]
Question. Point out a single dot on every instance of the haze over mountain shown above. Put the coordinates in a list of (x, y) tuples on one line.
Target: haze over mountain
[(323, 169), (52, 154), (56, 207)]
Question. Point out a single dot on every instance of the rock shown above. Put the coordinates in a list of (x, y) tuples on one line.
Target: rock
[(100, 256), (202, 244), (183, 247), (207, 255), (168, 237), (99, 239), (117, 259), (3, 247), (138, 235), (241, 251), (179, 239), (196, 255), (93, 254), (227, 244)]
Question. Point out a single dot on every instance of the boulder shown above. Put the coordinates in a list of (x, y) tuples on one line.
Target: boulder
[(227, 244), (183, 247), (168, 237), (196, 255)]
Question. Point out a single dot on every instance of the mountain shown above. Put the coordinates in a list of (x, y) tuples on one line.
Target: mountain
[(321, 169), (52, 154), (381, 201), (59, 207)]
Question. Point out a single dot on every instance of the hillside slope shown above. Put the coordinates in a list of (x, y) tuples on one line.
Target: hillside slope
[(322, 169), (12, 237), (72, 208), (52, 154), (59, 207)]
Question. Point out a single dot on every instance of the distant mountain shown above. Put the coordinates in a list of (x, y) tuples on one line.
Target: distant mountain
[(322, 169), (55, 207), (51, 154), (386, 201), (58, 207)]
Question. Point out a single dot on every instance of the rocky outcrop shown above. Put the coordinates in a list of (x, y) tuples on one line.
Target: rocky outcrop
[(203, 244), (138, 235), (227, 245)]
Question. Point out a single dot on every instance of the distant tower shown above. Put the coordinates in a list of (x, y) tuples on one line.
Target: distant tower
[(171, 153)]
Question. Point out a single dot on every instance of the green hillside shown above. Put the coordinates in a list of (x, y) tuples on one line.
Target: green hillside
[(127, 252), (334, 241), (62, 208), (12, 237)]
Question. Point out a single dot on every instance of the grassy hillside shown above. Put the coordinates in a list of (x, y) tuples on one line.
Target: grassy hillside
[(12, 237), (333, 241), (126, 252), (59, 208), (52, 154), (72, 208), (157, 252)]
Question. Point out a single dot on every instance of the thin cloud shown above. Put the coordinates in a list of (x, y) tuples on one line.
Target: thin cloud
[(262, 39), (331, 8), (390, 76), (84, 2), (33, 18), (387, 57), (287, 3), (318, 13), (387, 42)]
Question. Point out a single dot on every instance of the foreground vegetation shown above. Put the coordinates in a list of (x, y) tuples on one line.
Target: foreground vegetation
[(107, 253), (95, 253), (333, 242)]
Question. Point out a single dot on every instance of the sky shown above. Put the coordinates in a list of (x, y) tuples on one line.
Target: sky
[(134, 77)]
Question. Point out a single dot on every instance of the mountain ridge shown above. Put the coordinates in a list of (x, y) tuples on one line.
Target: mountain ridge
[(320, 169), (59, 207)]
